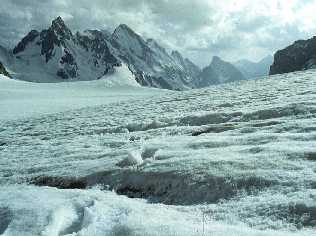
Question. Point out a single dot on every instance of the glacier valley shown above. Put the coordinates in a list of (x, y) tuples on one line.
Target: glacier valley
[(109, 157)]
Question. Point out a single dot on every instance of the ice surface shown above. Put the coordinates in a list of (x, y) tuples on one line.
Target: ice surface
[(20, 99), (51, 212), (235, 159)]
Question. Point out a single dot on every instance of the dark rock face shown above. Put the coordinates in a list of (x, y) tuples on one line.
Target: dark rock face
[(70, 69), (299, 56), (67, 58), (30, 37), (48, 41), (59, 28), (99, 46), (59, 182), (54, 36), (3, 70)]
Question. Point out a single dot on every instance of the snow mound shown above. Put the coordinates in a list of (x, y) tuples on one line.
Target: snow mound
[(3, 77), (122, 77), (134, 158), (20, 99)]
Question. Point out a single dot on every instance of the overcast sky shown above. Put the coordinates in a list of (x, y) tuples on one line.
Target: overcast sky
[(200, 29)]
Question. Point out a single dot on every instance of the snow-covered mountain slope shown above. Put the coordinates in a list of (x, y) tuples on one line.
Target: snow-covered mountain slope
[(56, 54), (191, 70), (253, 70), (234, 159), (219, 72), (151, 63), (61, 55)]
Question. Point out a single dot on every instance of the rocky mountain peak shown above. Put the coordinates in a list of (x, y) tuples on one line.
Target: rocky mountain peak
[(127, 41), (218, 72), (59, 27), (123, 29), (54, 37), (226, 71), (58, 22), (124, 35)]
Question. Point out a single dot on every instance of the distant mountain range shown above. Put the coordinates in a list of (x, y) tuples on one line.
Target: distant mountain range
[(219, 72), (301, 55), (255, 70), (57, 54)]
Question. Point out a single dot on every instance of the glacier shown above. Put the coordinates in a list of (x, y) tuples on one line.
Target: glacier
[(108, 157)]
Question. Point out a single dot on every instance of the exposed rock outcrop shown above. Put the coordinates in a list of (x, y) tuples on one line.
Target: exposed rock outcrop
[(299, 56), (3, 70)]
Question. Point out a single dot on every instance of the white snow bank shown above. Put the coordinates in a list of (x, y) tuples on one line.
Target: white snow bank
[(48, 211), (133, 158), (121, 78), (3, 77), (20, 99)]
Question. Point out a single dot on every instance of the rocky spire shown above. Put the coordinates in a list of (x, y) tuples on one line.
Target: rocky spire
[(60, 28)]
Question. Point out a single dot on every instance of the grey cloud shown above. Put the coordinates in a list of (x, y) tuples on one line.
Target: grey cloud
[(199, 29)]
